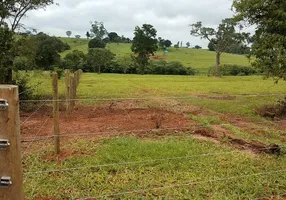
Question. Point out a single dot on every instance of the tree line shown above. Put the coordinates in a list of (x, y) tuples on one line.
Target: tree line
[(267, 44)]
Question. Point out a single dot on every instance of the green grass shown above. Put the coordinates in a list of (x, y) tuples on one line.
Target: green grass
[(198, 59), (98, 181), (126, 86), (206, 121)]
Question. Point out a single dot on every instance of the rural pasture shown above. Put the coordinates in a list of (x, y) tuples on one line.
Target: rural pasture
[(201, 59), (156, 137)]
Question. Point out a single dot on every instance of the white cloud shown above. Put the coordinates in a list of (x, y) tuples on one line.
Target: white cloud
[(170, 18)]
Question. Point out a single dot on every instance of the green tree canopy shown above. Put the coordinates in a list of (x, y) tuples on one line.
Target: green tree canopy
[(144, 44), (40, 51), (98, 30), (222, 37), (69, 33), (269, 40), (13, 11), (98, 59), (96, 43), (74, 60), (112, 36)]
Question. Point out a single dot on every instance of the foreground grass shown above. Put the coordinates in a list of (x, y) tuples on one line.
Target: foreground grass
[(201, 60), (147, 176), (148, 86)]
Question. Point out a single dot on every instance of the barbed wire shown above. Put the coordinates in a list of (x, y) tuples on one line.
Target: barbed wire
[(33, 113), (126, 163), (134, 162), (150, 98), (33, 164), (186, 184), (114, 133), (41, 128), (32, 88)]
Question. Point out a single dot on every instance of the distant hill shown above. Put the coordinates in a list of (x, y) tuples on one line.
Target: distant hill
[(197, 58)]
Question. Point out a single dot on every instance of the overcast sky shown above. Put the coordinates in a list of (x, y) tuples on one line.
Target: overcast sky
[(170, 17)]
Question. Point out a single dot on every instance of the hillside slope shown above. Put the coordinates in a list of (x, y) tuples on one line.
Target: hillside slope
[(198, 59)]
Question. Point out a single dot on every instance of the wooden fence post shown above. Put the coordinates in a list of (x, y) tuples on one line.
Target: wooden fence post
[(68, 95), (72, 92), (11, 172), (56, 114)]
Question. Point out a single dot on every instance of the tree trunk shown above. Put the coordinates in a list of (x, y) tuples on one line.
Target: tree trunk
[(218, 64), (9, 76)]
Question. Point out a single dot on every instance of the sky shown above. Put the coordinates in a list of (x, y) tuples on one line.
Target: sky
[(171, 18)]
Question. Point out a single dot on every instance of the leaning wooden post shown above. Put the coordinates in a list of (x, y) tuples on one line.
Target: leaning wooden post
[(68, 102), (11, 172), (72, 91), (77, 77), (56, 113)]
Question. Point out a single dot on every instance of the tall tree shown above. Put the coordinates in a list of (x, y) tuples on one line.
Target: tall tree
[(188, 44), (74, 60), (167, 43), (13, 11), (224, 36), (144, 44), (69, 33), (40, 51), (269, 40), (6, 44), (112, 36), (97, 59), (98, 29), (87, 35)]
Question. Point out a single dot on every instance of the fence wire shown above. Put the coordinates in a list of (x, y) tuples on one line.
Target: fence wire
[(33, 113), (186, 184), (151, 98)]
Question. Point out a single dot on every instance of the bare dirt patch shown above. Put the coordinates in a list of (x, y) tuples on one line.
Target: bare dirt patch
[(140, 118), (105, 118)]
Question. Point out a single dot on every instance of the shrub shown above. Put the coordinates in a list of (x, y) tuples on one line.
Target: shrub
[(96, 43), (173, 68), (66, 47), (273, 111), (73, 60), (233, 70), (98, 59), (25, 90)]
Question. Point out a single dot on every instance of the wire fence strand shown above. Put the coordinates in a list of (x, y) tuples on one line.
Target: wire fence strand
[(132, 162), (33, 113), (115, 133), (41, 128), (151, 98), (186, 184)]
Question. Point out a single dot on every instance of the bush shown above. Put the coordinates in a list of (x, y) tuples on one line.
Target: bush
[(97, 60), (25, 90), (66, 47), (233, 70), (74, 60), (273, 111), (96, 43), (173, 68)]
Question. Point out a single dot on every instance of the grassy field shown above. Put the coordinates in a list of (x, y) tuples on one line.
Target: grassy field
[(195, 170), (148, 86), (198, 59), (175, 165)]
